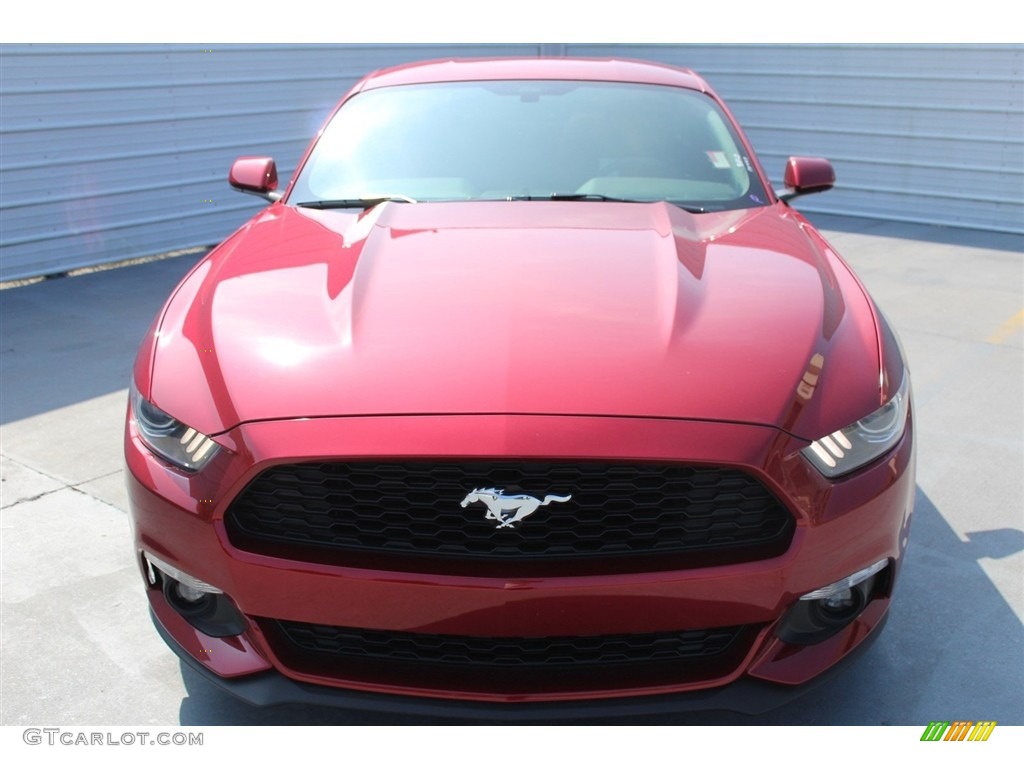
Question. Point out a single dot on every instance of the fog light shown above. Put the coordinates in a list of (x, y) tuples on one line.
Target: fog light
[(837, 588), (840, 601), (822, 613), (189, 594), (191, 603), (842, 607), (212, 613), (190, 583), (202, 605)]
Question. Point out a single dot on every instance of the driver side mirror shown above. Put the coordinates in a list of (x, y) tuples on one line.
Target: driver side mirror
[(255, 176)]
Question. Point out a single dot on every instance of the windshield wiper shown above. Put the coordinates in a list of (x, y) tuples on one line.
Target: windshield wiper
[(586, 196), (573, 196), (589, 196), (356, 202)]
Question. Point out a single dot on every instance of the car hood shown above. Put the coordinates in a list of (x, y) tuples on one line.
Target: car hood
[(586, 308)]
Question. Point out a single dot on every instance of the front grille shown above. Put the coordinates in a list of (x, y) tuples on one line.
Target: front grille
[(507, 665), (667, 515)]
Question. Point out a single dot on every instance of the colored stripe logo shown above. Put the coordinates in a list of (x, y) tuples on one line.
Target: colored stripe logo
[(959, 730)]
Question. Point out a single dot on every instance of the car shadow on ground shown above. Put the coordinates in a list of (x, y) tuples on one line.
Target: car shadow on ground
[(952, 650)]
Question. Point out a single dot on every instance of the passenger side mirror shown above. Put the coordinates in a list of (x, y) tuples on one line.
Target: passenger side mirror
[(805, 175)]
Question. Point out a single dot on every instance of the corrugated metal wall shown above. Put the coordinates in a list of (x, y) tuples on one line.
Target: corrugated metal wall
[(115, 151), (931, 134), (109, 152)]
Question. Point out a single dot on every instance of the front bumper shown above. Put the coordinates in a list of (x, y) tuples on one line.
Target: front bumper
[(840, 528), (746, 695)]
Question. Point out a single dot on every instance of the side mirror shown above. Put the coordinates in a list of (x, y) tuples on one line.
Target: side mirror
[(805, 175), (256, 176)]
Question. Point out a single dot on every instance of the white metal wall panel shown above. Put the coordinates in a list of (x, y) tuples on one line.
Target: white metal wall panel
[(116, 151), (109, 152), (922, 133)]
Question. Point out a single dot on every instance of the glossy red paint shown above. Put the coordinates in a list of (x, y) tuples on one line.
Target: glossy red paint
[(534, 68), (407, 310), (223, 656), (636, 333)]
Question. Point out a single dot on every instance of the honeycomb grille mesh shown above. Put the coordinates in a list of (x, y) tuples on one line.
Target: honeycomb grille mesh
[(514, 652), (415, 509)]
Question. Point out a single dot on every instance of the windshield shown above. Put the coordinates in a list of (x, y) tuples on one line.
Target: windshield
[(538, 139)]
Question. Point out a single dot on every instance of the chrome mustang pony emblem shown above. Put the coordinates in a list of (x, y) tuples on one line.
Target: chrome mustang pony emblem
[(507, 510)]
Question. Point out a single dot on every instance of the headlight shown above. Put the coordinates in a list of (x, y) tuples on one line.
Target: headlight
[(167, 437), (864, 441)]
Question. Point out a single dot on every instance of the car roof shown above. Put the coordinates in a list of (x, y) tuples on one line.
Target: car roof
[(455, 70)]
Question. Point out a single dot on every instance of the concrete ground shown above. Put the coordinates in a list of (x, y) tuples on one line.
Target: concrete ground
[(78, 647)]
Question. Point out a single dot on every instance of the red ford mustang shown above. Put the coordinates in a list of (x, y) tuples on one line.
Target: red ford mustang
[(529, 395)]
